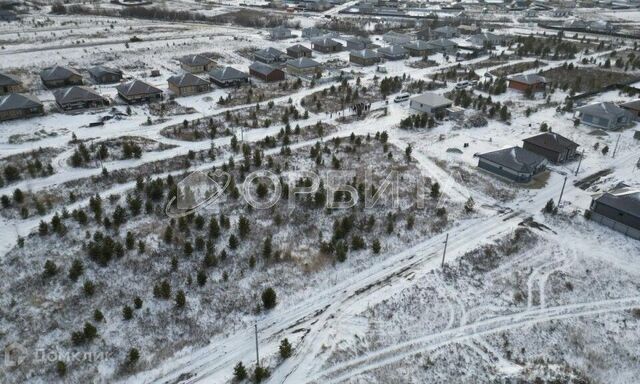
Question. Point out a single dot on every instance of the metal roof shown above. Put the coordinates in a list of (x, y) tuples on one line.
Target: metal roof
[(270, 53), (624, 199), (515, 158), (6, 79), (419, 45), (393, 50), (364, 54), (303, 62), (432, 99), (14, 101), (57, 73), (227, 73), (137, 87), (326, 42), (76, 94), (195, 60), (262, 68), (100, 70), (607, 109), (187, 80), (551, 141)]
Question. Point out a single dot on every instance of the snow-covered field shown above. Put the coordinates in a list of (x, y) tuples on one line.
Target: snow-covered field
[(363, 295)]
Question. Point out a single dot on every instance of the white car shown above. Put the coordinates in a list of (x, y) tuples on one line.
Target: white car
[(401, 97)]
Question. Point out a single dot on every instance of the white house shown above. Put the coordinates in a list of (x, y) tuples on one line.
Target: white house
[(430, 103)]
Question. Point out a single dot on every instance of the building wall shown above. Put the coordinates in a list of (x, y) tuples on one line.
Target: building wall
[(547, 153), (504, 172), (363, 61), (615, 214), (275, 75), (73, 80), (16, 88), (189, 90), (415, 52), (108, 78), (298, 54), (613, 224), (21, 113), (141, 98)]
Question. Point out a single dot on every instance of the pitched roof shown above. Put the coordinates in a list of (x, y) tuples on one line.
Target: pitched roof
[(551, 141), (6, 79), (393, 50), (100, 70), (76, 94), (442, 43), (419, 45), (270, 53), (624, 199), (364, 54), (137, 87), (298, 48), (432, 99), (635, 105), (528, 79), (515, 158), (14, 101), (326, 42), (57, 73), (187, 80), (195, 60), (227, 73), (262, 68), (446, 29), (607, 109), (303, 62)]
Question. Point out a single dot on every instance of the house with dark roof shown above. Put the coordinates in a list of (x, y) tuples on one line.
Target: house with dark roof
[(270, 55), (445, 46), (515, 163), (312, 32), (298, 50), (137, 91), (228, 76), (356, 43), (105, 75), (266, 72), (430, 103), (303, 66), (9, 84), (419, 48), (58, 76), (486, 39), (393, 52), (528, 83), (18, 106), (605, 115), (280, 33), (633, 107), (554, 147), (393, 37), (196, 63), (618, 209), (364, 57), (445, 32), (188, 84), (326, 45), (78, 97)]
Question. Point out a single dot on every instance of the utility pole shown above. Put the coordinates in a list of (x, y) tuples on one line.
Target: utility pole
[(445, 249), (580, 162), (616, 147), (257, 354), (562, 190)]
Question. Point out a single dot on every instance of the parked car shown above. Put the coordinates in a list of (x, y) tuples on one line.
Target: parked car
[(401, 97), (462, 85)]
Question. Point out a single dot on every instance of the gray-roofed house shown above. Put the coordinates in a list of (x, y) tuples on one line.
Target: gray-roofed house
[(312, 32), (528, 83), (393, 37), (326, 45), (633, 107), (430, 103), (9, 84), (605, 115), (270, 55), (188, 84), (105, 75), (17, 106), (196, 63), (79, 97), (486, 39), (419, 48), (468, 29), (618, 209), (358, 43), (364, 57), (554, 147), (513, 163), (58, 76), (303, 66), (266, 72), (445, 32), (228, 76), (298, 50), (137, 91), (443, 46), (280, 33), (393, 52)]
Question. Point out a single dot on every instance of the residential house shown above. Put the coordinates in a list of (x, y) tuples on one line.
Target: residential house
[(446, 32), (488, 39), (602, 26), (618, 209), (396, 38), (393, 52), (18, 106), (513, 163), (312, 32), (57, 76), (303, 66), (105, 75), (605, 115), (357, 43), (270, 55), (79, 97), (266, 72), (326, 45), (430, 103), (633, 107), (419, 48), (554, 147), (9, 84), (469, 29), (188, 84), (298, 50), (228, 76), (445, 46), (137, 91), (364, 57), (280, 33), (528, 83), (196, 63)]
